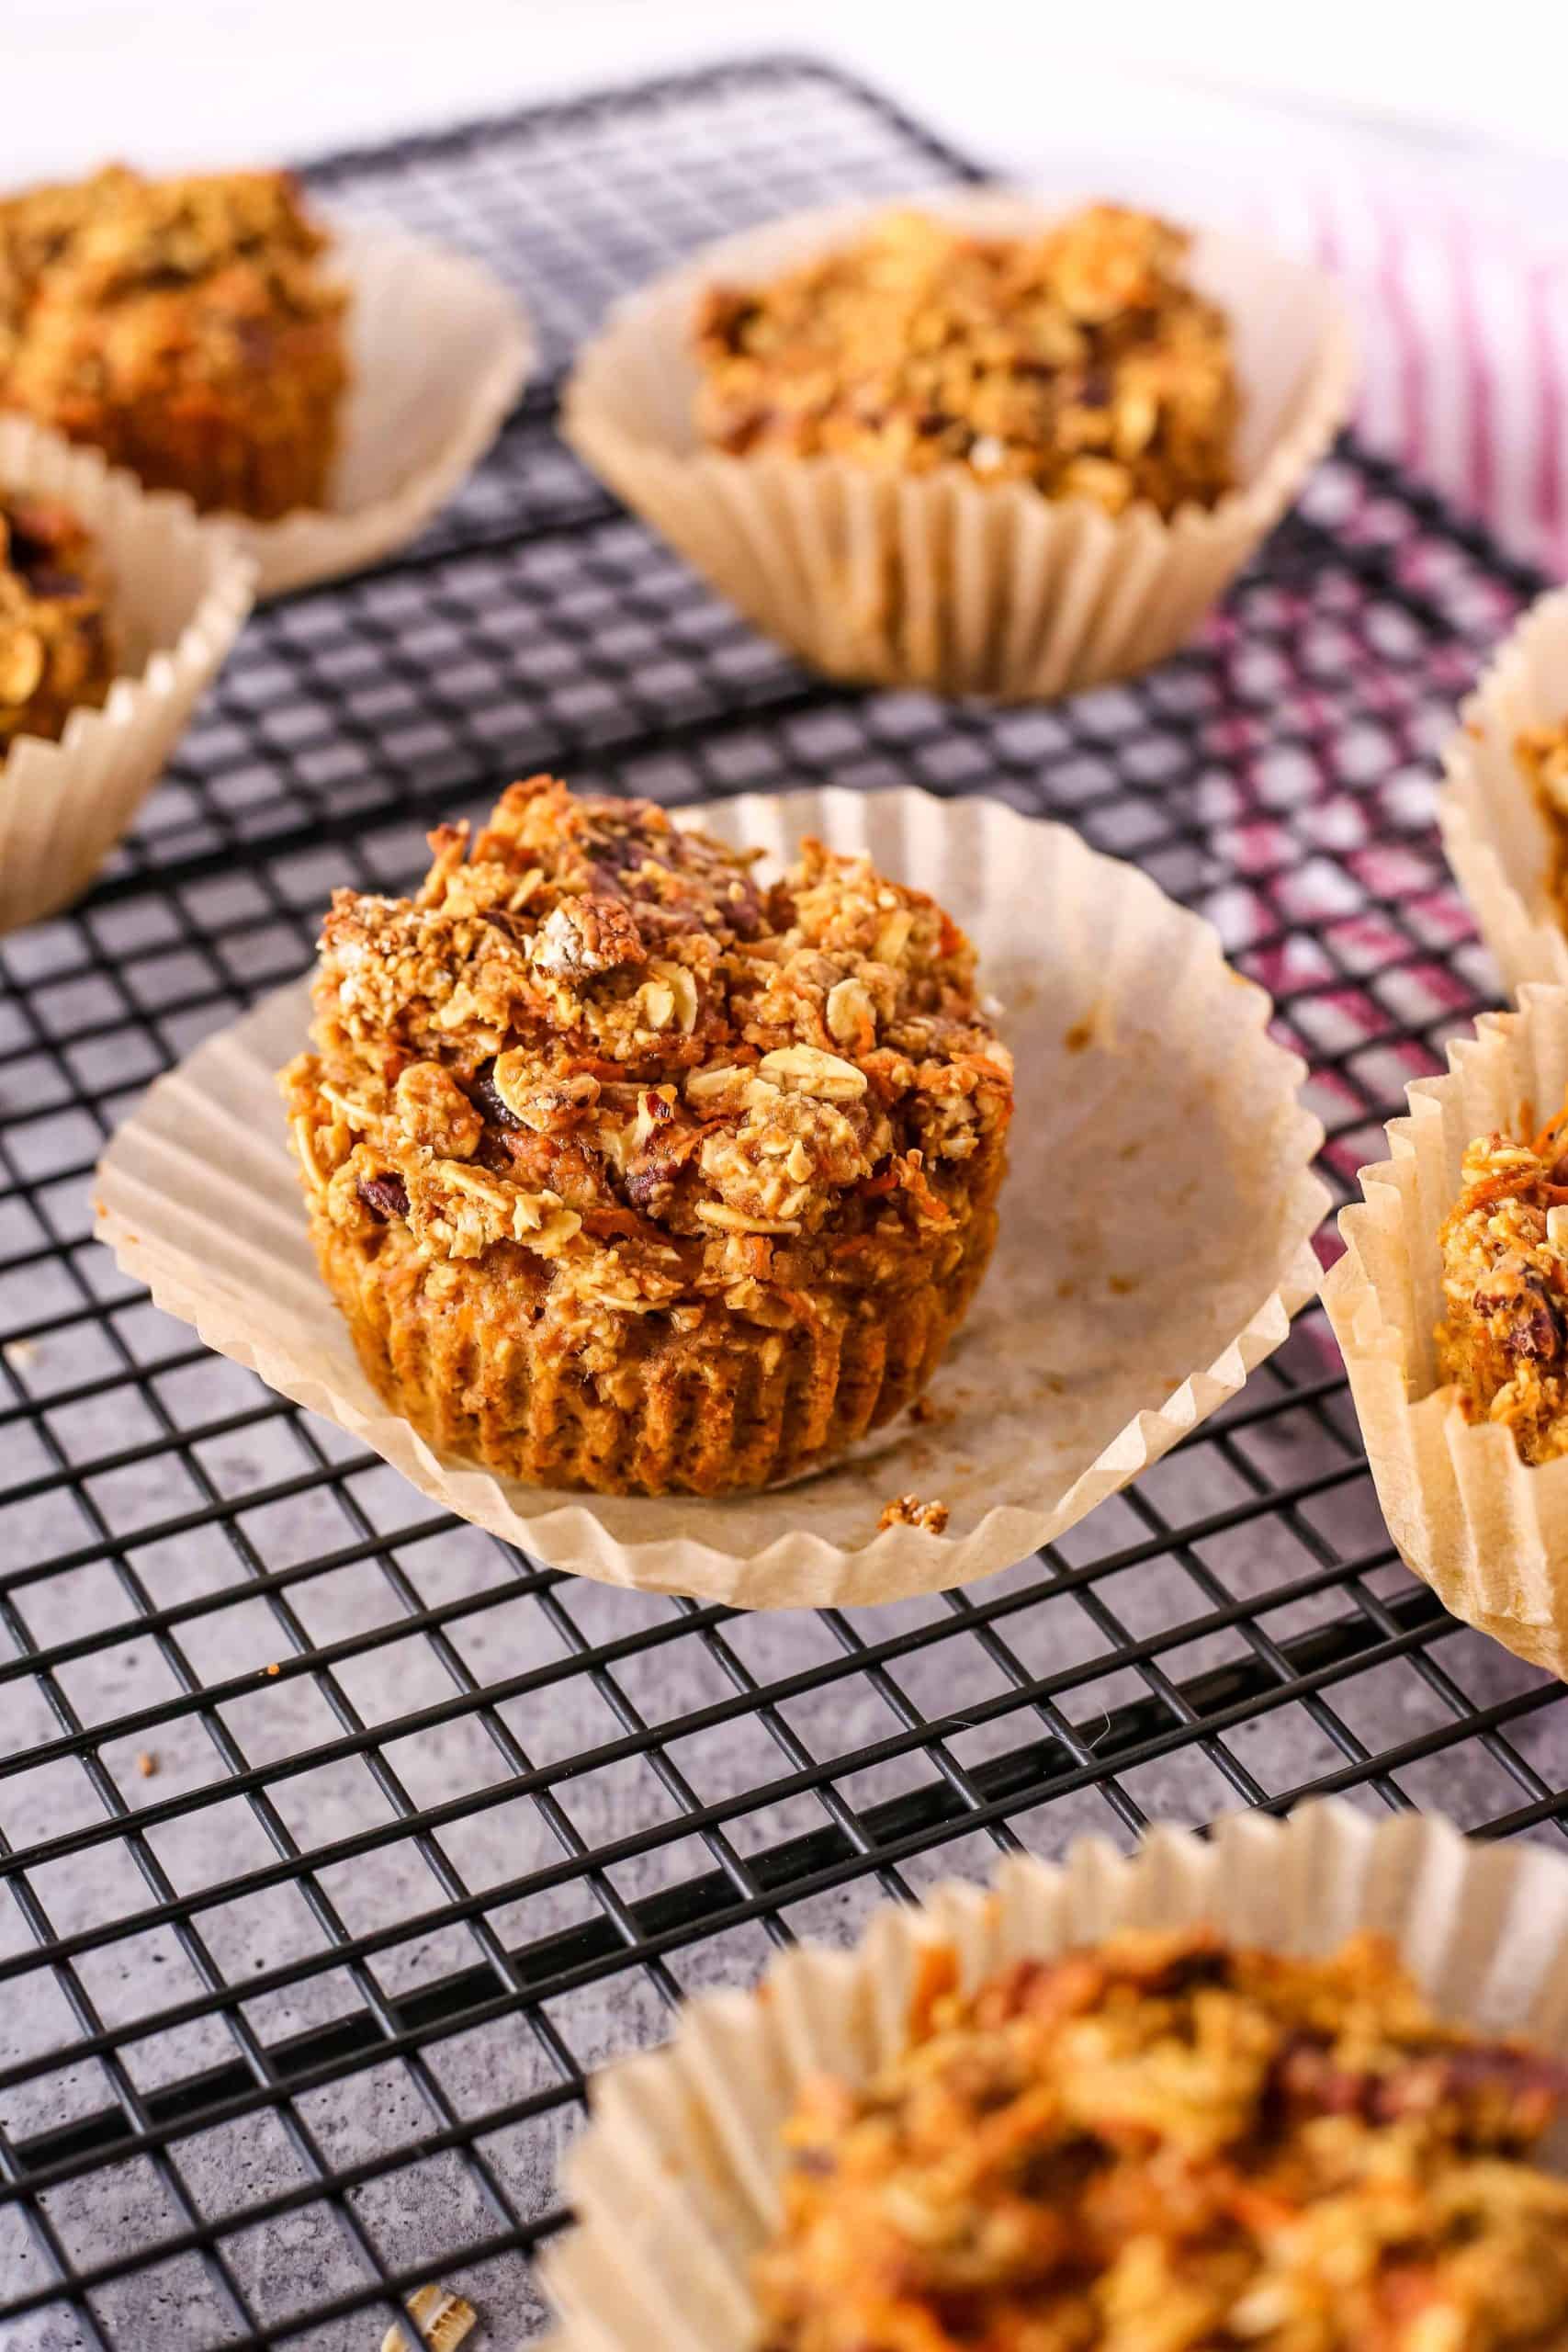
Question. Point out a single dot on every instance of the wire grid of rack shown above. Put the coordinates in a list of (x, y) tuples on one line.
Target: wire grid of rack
[(340, 1842)]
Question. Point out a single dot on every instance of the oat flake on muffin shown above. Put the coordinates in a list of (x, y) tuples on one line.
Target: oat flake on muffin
[(628, 1173), (1079, 360), (1163, 2144)]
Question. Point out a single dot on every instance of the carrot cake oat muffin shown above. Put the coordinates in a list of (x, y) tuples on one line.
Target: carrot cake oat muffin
[(1079, 360), (187, 327), (629, 1173), (1167, 2146), (1504, 1337), (57, 648)]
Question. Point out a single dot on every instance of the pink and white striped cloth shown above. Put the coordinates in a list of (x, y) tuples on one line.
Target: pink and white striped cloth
[(1463, 326)]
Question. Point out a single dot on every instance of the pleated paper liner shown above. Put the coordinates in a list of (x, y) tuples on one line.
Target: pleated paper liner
[(940, 581), (1154, 1242), (1499, 842), (180, 589), (1486, 1530), (438, 351), (675, 2181)]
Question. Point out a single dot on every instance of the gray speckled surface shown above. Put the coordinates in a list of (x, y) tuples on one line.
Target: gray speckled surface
[(419, 2212)]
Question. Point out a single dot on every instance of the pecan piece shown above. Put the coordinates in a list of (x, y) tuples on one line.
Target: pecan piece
[(582, 937)]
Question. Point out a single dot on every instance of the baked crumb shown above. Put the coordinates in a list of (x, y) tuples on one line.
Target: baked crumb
[(187, 327), (444, 2320), (1163, 2145), (907, 1511), (57, 645), (1080, 361), (1504, 1337), (600, 1116), (147, 1764)]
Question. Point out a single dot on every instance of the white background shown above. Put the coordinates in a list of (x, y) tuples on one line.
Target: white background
[(186, 80)]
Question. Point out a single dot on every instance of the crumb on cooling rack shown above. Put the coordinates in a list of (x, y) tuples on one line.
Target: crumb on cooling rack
[(147, 1763), (909, 1510), (443, 2319), (1503, 1341), (1163, 2145), (1080, 360)]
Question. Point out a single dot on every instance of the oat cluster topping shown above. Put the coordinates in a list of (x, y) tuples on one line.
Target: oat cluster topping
[(594, 1038), (1504, 1337), (186, 326), (1166, 2146), (1080, 361), (56, 643)]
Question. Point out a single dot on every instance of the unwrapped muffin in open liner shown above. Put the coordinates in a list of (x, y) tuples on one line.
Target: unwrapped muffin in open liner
[(321, 387), (677, 2181), (1507, 849), (1152, 1240), (938, 577), (1487, 1529), (175, 591)]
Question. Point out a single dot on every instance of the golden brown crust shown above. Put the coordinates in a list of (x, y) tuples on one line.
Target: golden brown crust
[(57, 644), (1162, 2145), (187, 327), (1542, 755), (1079, 361), (628, 1174), (1504, 1337)]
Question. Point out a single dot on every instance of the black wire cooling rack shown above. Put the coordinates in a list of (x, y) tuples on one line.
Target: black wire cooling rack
[(339, 1840)]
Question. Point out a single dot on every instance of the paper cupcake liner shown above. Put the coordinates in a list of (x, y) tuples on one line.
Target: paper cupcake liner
[(1154, 1233), (1486, 1530), (438, 353), (941, 582), (1498, 841), (675, 2181), (179, 591)]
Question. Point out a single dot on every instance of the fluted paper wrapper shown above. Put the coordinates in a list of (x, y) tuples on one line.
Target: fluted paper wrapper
[(1486, 1530), (940, 581), (1154, 1233), (179, 592), (1498, 840), (438, 351), (675, 2181)]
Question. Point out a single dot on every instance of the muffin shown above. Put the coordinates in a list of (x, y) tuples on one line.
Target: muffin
[(629, 1173), (1079, 360), (1162, 2144), (1504, 1337), (57, 641), (1503, 810), (970, 445), (189, 328), (1543, 756)]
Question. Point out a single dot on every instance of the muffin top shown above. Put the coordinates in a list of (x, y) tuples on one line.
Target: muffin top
[(1080, 360), (56, 646), (596, 1036), (1163, 2144), (117, 281), (1504, 1337)]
